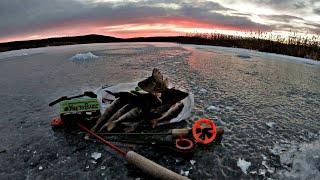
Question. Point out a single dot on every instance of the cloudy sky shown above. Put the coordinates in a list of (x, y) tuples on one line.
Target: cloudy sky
[(34, 19)]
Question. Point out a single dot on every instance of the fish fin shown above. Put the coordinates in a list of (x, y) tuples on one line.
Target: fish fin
[(111, 125), (154, 123), (166, 83), (129, 129), (156, 74), (109, 92), (102, 128)]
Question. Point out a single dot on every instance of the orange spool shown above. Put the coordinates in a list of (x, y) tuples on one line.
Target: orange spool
[(204, 131)]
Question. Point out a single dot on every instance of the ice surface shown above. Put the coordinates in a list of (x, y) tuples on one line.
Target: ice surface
[(243, 165), (254, 53), (302, 161), (281, 92), (83, 57)]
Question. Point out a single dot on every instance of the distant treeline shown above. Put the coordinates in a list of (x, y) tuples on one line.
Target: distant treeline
[(293, 46), (59, 41)]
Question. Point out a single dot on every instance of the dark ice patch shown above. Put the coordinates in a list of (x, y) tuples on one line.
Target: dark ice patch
[(242, 56)]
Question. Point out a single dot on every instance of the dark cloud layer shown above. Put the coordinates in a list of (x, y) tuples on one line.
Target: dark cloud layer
[(35, 16)]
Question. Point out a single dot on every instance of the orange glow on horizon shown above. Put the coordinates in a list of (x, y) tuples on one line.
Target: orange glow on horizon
[(164, 26)]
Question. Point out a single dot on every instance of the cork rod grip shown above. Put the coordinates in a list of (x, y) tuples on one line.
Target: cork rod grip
[(152, 168)]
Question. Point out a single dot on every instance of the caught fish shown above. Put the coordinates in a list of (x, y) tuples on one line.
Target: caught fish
[(172, 112), (116, 115), (124, 95), (131, 126), (172, 96), (114, 106), (135, 98), (159, 110), (132, 114), (155, 83)]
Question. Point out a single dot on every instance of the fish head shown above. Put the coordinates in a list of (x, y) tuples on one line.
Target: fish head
[(155, 83), (173, 96)]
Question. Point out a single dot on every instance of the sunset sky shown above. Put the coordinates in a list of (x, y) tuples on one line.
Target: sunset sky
[(35, 19)]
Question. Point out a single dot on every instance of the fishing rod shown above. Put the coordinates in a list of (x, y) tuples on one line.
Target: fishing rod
[(144, 164), (63, 98), (174, 132)]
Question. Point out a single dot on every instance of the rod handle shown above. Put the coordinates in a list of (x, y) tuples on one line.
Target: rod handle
[(152, 168), (180, 132)]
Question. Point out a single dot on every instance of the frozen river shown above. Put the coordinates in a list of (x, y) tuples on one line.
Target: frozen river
[(268, 104)]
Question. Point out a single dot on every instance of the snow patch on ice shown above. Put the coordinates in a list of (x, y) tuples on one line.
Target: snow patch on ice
[(243, 165), (301, 161), (83, 57)]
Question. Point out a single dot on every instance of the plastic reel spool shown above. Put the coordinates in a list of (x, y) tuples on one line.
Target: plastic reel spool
[(184, 144), (204, 131)]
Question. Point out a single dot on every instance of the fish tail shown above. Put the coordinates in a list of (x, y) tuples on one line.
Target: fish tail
[(104, 126), (111, 125), (154, 123)]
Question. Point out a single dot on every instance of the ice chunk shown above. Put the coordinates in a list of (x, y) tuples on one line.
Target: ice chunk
[(218, 120), (264, 157), (229, 108), (184, 173), (203, 91), (270, 124), (40, 168), (93, 162), (303, 161), (213, 108), (96, 155), (262, 172), (243, 165), (192, 162), (83, 57)]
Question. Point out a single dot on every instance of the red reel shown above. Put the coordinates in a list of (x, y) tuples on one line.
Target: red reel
[(204, 131)]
